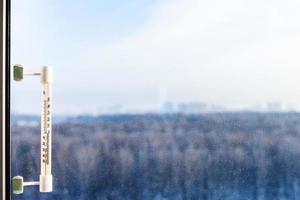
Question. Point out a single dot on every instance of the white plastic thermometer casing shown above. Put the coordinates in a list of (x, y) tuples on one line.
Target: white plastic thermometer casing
[(46, 182)]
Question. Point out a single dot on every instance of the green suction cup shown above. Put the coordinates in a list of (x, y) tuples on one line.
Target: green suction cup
[(17, 184), (18, 72)]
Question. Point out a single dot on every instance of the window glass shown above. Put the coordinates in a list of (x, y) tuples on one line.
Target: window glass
[(159, 100)]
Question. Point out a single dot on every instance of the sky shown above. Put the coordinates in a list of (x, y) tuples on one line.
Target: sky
[(139, 54)]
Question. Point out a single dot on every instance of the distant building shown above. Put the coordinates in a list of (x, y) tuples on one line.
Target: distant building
[(274, 107), (192, 108), (168, 107)]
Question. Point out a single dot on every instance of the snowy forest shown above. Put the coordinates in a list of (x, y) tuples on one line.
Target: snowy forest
[(217, 156)]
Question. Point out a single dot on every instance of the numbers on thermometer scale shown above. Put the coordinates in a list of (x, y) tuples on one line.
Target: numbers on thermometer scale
[(46, 120)]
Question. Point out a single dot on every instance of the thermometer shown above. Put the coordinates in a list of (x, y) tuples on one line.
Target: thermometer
[(45, 180)]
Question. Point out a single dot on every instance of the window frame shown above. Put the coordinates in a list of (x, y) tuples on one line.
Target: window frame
[(5, 99)]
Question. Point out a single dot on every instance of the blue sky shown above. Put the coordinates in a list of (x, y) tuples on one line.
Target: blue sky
[(140, 53)]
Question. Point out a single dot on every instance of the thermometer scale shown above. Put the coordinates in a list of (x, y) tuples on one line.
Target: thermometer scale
[(45, 180)]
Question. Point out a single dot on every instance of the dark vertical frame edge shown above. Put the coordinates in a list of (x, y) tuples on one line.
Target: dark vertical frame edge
[(5, 99)]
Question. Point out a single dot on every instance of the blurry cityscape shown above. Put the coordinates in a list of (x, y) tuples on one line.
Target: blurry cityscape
[(169, 108), (197, 107), (193, 107), (189, 107)]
